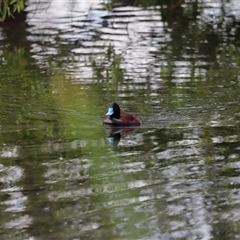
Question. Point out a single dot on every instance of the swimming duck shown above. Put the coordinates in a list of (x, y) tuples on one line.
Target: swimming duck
[(115, 117)]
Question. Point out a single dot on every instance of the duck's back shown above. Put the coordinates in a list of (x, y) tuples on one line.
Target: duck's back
[(130, 119)]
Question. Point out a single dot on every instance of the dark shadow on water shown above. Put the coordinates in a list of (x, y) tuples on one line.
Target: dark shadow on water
[(114, 134)]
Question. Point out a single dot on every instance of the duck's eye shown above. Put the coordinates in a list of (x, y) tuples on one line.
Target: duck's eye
[(110, 112)]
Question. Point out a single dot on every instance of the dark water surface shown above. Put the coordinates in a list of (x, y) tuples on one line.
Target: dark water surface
[(63, 175)]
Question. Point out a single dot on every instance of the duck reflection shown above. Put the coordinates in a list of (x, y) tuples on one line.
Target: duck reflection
[(115, 133)]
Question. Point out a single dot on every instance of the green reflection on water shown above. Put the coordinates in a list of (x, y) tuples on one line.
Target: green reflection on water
[(25, 104)]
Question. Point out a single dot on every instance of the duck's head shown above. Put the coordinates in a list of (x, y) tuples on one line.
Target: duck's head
[(114, 111)]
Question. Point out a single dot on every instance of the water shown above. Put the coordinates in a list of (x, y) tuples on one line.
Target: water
[(64, 175)]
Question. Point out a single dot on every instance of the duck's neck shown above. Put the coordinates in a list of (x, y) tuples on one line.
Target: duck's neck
[(116, 115)]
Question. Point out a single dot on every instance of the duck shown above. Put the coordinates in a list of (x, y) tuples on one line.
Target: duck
[(115, 117)]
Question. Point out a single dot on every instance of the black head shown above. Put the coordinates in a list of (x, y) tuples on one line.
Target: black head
[(114, 111)]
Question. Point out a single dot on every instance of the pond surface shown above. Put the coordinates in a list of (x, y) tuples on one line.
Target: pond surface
[(64, 175)]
